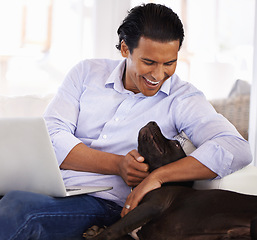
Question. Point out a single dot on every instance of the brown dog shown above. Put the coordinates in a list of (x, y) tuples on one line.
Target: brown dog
[(176, 210)]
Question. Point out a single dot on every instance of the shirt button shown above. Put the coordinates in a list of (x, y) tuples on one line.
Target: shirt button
[(104, 136), (116, 119)]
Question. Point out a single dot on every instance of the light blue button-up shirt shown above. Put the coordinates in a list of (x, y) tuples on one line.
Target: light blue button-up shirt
[(92, 107)]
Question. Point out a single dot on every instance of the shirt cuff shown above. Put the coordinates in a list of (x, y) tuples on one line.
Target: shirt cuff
[(63, 143), (215, 157)]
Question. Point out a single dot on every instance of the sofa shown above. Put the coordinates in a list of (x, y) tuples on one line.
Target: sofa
[(24, 106), (235, 108)]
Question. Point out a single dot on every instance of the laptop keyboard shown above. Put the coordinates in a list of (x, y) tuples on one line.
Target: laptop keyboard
[(72, 189)]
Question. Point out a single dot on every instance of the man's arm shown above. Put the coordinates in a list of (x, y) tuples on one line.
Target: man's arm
[(185, 169), (130, 167)]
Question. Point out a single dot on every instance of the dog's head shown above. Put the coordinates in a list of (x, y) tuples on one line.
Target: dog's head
[(156, 149)]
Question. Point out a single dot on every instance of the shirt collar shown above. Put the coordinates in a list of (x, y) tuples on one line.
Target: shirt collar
[(115, 80), (165, 88)]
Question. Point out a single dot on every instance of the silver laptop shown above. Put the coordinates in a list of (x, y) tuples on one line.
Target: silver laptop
[(28, 162)]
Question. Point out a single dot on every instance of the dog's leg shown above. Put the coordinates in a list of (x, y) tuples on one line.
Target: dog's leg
[(134, 219), (153, 205)]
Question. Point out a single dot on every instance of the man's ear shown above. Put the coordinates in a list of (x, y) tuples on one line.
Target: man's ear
[(124, 49)]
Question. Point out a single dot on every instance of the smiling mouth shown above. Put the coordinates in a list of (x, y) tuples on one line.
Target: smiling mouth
[(151, 83)]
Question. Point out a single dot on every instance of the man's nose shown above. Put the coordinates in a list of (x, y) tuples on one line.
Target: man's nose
[(158, 73)]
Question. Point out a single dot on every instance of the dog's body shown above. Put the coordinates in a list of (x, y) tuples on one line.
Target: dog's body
[(177, 211)]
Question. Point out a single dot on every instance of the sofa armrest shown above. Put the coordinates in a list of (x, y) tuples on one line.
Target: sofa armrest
[(242, 181)]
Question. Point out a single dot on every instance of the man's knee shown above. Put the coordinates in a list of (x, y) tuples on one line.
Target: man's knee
[(20, 202)]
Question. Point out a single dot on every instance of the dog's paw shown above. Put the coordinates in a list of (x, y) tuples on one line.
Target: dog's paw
[(92, 232)]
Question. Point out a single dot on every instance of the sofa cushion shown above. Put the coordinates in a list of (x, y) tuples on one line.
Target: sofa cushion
[(236, 106), (242, 181), (236, 110)]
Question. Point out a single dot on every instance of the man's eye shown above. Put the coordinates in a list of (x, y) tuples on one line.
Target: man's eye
[(148, 63), (168, 64)]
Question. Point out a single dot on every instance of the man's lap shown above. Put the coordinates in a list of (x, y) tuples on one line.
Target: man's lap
[(24, 214)]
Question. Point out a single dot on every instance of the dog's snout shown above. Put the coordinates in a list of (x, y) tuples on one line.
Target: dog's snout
[(152, 123)]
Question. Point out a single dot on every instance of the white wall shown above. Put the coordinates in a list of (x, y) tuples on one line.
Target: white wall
[(253, 104)]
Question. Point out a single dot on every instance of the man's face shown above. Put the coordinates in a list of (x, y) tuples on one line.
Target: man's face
[(150, 65)]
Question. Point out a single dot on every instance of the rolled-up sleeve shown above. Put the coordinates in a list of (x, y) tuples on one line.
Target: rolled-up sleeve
[(222, 159), (218, 144), (62, 113)]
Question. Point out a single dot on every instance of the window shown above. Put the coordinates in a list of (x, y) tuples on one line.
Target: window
[(38, 49)]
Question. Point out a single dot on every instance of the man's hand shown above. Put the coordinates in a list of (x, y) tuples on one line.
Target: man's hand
[(134, 198), (132, 169)]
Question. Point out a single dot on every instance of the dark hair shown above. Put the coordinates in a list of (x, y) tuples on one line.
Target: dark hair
[(154, 21)]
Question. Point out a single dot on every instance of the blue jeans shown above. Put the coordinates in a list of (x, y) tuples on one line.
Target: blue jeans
[(25, 215)]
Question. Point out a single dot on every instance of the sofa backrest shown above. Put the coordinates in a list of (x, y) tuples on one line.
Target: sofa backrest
[(23, 106)]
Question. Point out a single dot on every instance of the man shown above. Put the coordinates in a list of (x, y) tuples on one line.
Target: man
[(94, 121)]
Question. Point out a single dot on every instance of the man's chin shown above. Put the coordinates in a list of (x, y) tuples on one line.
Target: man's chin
[(149, 93)]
